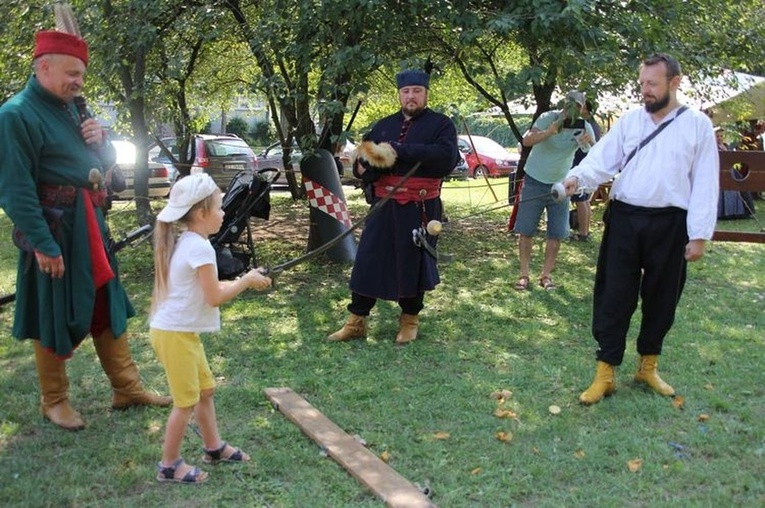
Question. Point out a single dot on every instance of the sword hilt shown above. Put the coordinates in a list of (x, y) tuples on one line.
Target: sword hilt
[(267, 271)]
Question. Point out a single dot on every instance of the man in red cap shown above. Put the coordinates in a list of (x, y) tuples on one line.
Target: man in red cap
[(67, 284)]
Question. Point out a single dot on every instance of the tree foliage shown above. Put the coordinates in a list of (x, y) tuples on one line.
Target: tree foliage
[(180, 61)]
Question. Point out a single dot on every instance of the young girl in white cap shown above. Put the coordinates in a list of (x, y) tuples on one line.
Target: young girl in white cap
[(185, 302)]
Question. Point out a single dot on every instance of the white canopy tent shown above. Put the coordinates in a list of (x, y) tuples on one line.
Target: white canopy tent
[(728, 97), (747, 104)]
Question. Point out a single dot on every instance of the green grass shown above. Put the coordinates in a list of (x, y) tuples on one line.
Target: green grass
[(477, 336)]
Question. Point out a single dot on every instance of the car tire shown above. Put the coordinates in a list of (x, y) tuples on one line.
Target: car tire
[(479, 171)]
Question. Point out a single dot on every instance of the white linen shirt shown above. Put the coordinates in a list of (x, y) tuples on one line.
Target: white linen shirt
[(184, 309), (680, 167)]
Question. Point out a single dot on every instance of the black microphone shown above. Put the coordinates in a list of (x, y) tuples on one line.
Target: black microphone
[(82, 108)]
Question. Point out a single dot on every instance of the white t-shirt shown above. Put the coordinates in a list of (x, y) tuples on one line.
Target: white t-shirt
[(184, 309)]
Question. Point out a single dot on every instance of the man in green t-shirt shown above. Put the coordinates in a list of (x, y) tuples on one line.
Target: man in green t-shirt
[(555, 137)]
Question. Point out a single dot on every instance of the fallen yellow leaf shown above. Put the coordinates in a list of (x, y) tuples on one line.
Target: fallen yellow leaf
[(505, 437), (678, 401), (554, 410), (703, 417), (501, 394), (385, 456), (709, 386), (634, 465), (505, 413), (442, 435), (476, 471), (579, 454)]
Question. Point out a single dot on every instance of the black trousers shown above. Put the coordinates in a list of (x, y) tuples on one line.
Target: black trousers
[(362, 305), (642, 254)]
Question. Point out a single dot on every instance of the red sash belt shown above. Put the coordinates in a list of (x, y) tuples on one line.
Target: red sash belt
[(416, 188), (66, 195)]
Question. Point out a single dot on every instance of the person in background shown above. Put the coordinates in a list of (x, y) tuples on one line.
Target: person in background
[(388, 264), (661, 214), (582, 200), (554, 137), (52, 188), (185, 303)]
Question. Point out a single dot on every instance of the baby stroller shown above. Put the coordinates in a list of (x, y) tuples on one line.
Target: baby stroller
[(246, 196)]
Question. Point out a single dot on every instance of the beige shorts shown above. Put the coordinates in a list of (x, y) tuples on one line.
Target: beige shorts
[(183, 356)]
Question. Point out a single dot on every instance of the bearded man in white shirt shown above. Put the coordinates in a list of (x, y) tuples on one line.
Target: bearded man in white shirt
[(661, 214)]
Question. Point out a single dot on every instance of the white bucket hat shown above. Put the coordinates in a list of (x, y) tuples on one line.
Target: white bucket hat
[(186, 192)]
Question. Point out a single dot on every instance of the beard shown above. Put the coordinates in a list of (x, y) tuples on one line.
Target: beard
[(658, 104), (412, 109)]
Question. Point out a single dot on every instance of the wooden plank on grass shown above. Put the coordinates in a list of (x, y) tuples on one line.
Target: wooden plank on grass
[(395, 490)]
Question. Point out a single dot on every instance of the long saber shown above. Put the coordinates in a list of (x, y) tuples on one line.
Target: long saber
[(276, 270)]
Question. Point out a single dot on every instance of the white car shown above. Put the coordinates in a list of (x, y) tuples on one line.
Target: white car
[(159, 178)]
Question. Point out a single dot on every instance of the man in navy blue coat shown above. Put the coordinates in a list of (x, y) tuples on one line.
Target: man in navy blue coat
[(388, 264)]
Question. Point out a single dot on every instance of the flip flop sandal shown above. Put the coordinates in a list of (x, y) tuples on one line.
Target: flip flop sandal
[(547, 284), (216, 456), (522, 284), (166, 474)]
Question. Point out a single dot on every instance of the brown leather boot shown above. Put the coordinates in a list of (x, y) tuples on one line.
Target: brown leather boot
[(118, 364), (603, 385), (647, 374), (408, 325), (354, 328), (54, 388)]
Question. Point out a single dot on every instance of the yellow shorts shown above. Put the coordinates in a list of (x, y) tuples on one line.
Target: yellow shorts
[(183, 356)]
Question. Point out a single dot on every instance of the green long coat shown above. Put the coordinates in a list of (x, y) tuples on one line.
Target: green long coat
[(40, 143)]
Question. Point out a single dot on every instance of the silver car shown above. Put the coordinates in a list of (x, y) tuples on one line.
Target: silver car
[(159, 177), (221, 156)]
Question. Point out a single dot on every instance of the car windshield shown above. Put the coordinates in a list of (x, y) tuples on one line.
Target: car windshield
[(157, 154), (227, 147), (489, 147)]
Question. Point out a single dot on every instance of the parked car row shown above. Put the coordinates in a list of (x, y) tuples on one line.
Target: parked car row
[(272, 157), (222, 156)]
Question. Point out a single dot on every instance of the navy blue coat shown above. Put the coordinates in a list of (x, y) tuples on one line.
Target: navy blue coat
[(388, 265)]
